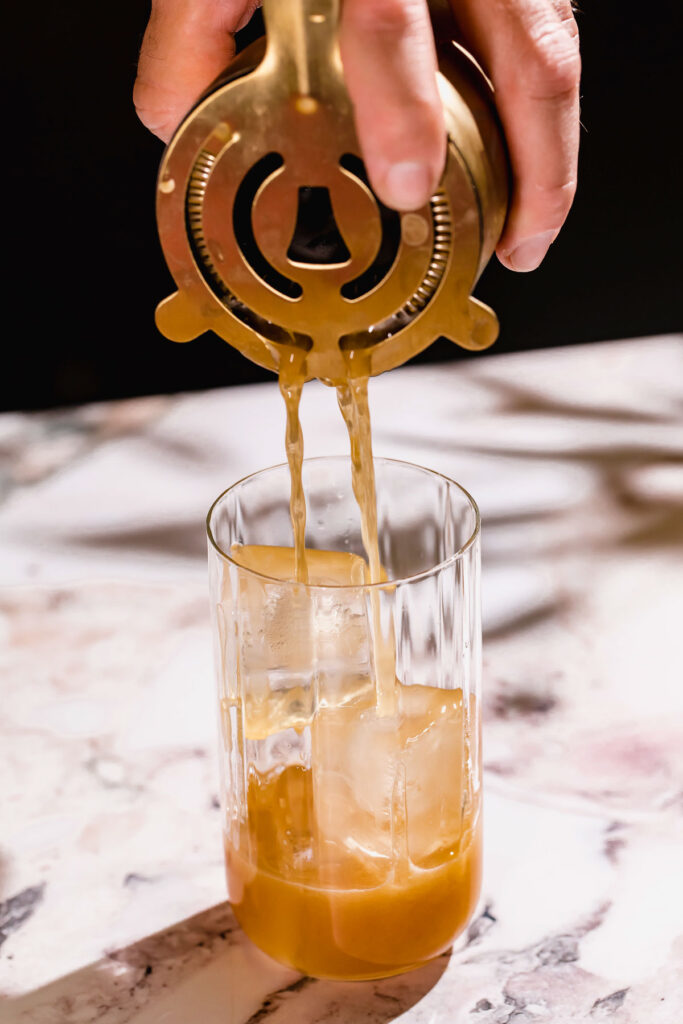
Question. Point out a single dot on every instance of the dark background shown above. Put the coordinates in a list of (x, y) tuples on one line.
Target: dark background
[(84, 269)]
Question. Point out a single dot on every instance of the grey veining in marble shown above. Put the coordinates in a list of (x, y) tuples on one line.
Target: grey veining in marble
[(111, 878)]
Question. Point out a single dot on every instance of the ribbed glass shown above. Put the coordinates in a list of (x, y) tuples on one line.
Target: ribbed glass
[(350, 718)]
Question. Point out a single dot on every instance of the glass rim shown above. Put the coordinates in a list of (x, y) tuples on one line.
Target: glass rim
[(381, 584)]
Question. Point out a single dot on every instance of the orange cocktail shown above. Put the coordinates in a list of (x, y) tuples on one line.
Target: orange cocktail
[(342, 879)]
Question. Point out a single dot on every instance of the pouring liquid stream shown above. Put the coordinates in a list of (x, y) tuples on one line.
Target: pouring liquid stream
[(353, 403), (291, 380), (352, 398)]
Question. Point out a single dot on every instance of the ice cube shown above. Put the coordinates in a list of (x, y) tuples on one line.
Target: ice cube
[(298, 646), (354, 759), (389, 787), (325, 568), (432, 747)]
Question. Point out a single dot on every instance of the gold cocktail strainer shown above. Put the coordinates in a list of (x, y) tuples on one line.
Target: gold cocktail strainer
[(274, 237)]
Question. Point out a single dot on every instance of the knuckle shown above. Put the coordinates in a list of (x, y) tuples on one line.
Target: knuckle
[(565, 12), (555, 67), (384, 17), (570, 27)]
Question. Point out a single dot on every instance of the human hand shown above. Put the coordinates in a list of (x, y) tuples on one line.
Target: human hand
[(528, 48)]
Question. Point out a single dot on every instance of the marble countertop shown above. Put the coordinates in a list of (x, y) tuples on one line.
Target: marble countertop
[(111, 877)]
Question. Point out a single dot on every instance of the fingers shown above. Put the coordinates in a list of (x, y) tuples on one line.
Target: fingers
[(530, 50), (186, 45), (390, 67), (528, 47), (390, 63)]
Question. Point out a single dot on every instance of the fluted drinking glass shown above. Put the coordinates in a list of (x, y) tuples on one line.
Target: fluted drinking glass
[(349, 718)]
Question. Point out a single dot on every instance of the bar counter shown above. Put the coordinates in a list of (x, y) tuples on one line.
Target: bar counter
[(112, 891)]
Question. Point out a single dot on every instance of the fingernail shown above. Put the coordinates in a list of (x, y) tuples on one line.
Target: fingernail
[(530, 253), (407, 185)]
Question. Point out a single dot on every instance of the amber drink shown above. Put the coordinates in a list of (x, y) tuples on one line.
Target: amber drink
[(349, 713)]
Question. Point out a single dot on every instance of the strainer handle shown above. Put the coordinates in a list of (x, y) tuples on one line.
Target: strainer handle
[(302, 41)]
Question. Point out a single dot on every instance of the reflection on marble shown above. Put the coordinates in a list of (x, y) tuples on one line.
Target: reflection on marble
[(111, 878)]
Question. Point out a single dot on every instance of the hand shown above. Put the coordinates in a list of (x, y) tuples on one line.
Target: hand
[(529, 49)]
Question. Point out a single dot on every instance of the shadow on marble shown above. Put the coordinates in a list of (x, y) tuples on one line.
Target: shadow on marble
[(545, 611), (515, 398), (637, 475), (184, 538), (205, 969)]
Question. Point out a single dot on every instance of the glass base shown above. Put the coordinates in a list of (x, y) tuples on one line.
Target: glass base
[(370, 973), (352, 934)]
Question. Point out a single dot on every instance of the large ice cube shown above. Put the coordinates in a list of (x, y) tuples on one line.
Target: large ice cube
[(432, 746), (354, 756), (325, 568), (389, 787), (298, 646)]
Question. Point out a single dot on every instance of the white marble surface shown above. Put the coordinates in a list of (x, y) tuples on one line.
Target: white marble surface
[(110, 856)]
